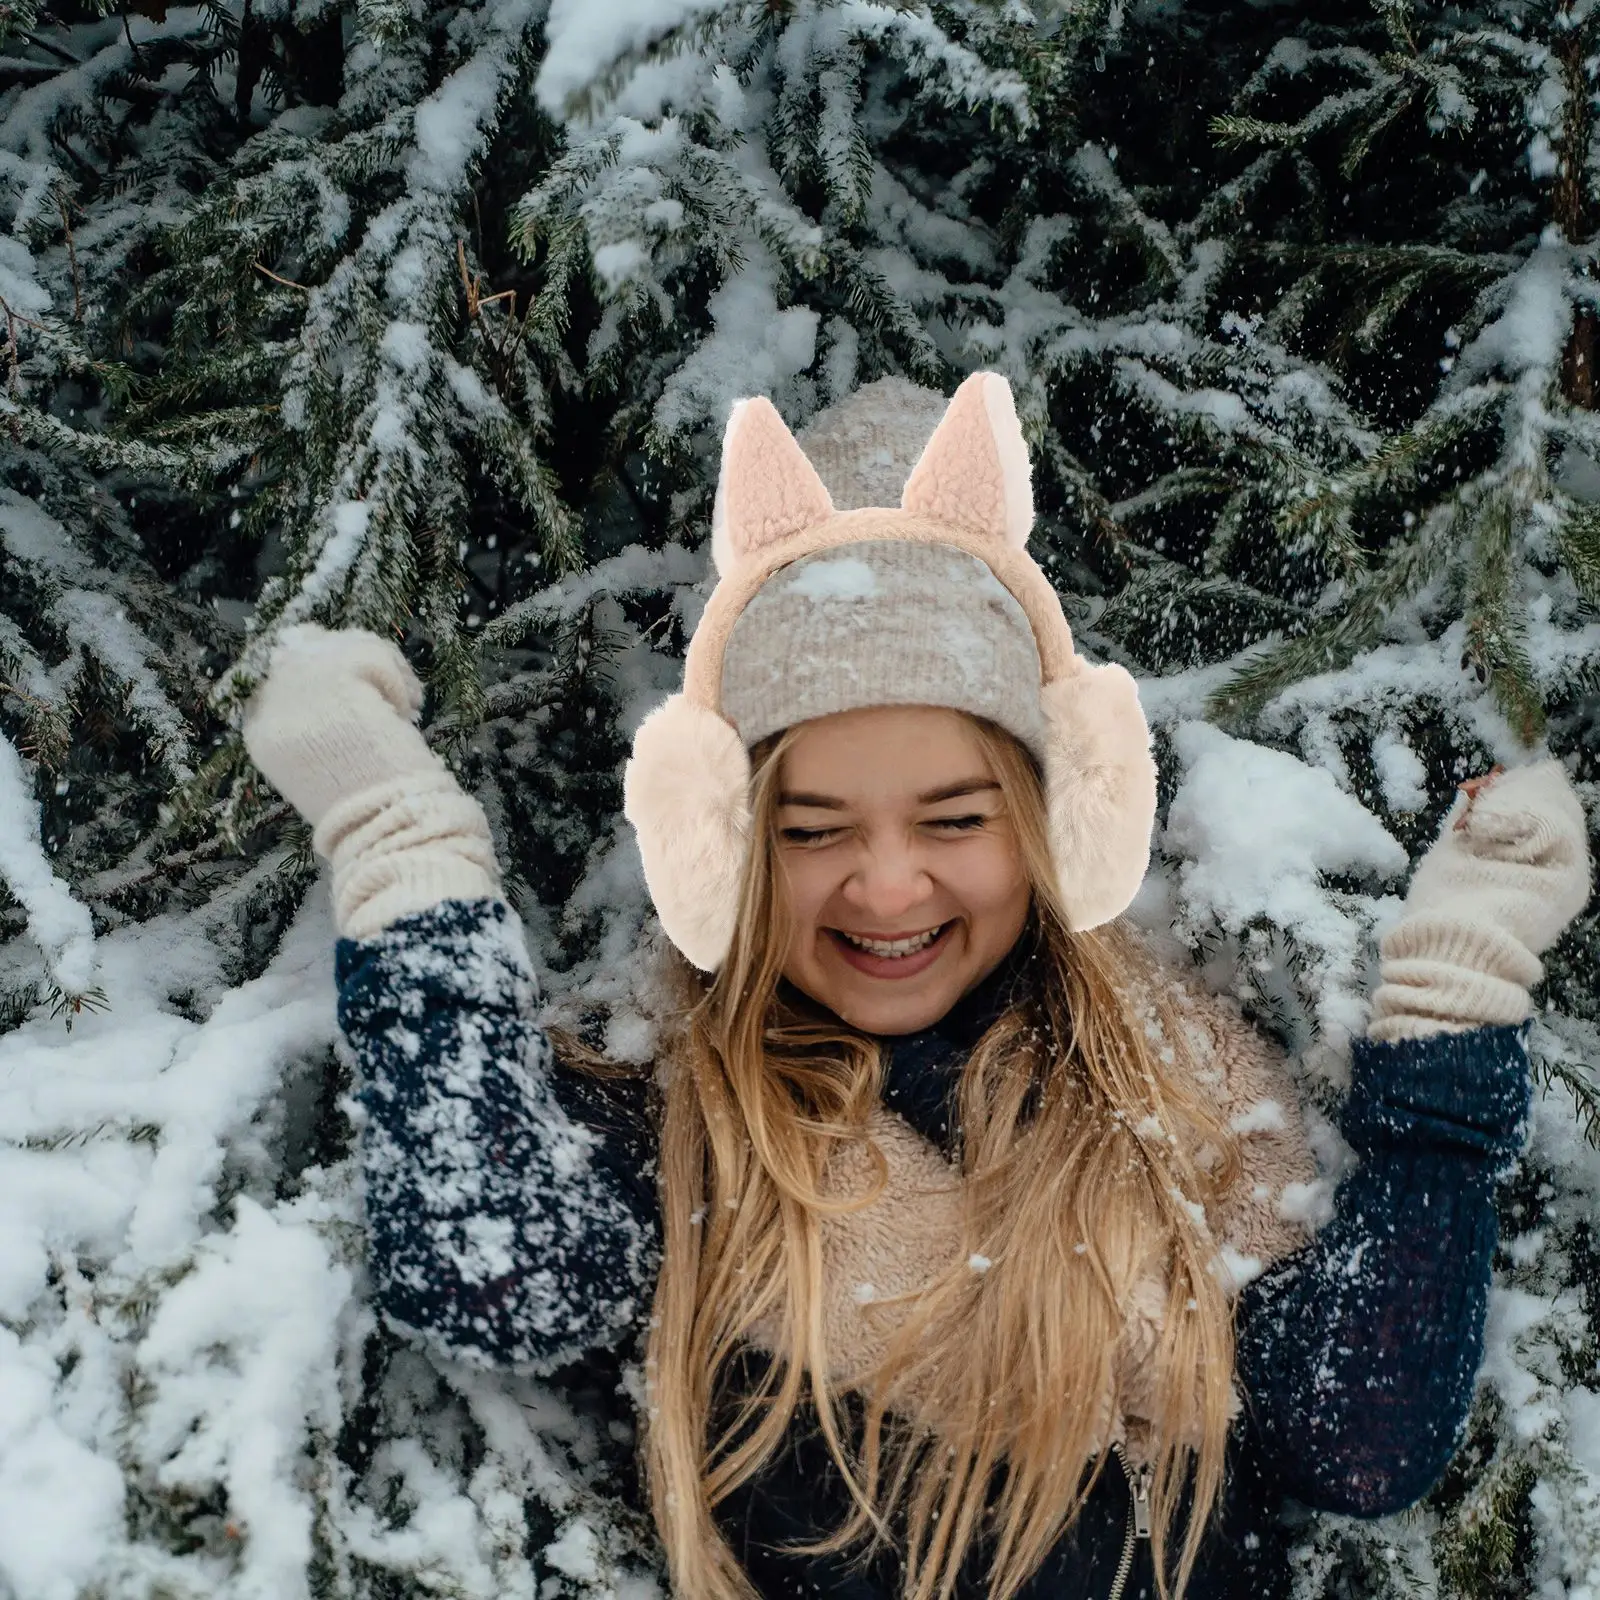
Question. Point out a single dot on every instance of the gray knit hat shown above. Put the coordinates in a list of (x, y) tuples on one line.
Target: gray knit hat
[(883, 622), (865, 445)]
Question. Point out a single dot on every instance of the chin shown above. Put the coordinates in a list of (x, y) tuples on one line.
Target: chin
[(891, 1027), (889, 1013)]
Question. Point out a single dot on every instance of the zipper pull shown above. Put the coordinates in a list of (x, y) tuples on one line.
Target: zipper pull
[(1141, 1503)]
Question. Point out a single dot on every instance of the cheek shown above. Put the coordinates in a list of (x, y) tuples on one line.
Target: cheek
[(991, 883), (808, 885)]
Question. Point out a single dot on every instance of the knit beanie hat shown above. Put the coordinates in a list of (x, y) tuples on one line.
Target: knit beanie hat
[(822, 607)]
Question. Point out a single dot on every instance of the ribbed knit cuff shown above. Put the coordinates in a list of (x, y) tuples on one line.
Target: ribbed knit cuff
[(1465, 1091), (1444, 974), (402, 847)]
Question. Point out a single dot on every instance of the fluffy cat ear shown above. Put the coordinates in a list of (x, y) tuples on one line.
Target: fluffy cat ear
[(974, 472), (767, 489)]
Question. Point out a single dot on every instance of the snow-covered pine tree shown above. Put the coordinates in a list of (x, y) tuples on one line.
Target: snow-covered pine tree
[(217, 217), (426, 317), (1468, 142)]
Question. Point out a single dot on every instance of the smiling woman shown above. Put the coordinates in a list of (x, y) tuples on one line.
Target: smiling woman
[(969, 1250), (903, 876)]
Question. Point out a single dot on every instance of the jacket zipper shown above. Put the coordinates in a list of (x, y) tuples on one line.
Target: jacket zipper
[(1138, 1519)]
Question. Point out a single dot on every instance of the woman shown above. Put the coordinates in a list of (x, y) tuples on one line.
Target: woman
[(972, 1254)]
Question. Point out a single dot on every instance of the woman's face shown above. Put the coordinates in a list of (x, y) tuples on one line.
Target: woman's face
[(905, 880)]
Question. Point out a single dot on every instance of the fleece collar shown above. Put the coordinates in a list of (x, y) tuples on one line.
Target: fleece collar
[(911, 1227)]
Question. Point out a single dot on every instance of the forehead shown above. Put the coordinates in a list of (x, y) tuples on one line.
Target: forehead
[(884, 754)]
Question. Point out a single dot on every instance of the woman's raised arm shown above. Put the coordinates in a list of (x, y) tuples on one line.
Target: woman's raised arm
[(510, 1210), (1358, 1354), (510, 1204)]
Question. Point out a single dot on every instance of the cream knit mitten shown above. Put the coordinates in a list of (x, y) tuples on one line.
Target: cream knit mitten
[(1508, 872), (333, 728)]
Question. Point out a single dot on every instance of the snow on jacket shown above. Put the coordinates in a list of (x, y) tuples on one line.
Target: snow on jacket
[(514, 1218)]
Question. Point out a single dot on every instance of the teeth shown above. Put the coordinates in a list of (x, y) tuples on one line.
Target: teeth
[(894, 947)]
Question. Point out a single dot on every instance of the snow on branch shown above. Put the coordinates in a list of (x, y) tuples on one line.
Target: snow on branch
[(59, 925)]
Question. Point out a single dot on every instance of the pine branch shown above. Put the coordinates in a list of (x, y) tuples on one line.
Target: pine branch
[(1165, 612), (1496, 625), (1581, 1081), (1173, 488), (1333, 644), (385, 22), (100, 451), (1080, 488), (1379, 320), (1234, 132), (1399, 22), (875, 306), (1578, 538), (1373, 129)]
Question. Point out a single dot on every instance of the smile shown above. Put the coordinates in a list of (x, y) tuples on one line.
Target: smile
[(902, 958), (897, 949)]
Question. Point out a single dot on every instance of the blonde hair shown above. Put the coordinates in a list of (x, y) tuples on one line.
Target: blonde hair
[(1070, 1172)]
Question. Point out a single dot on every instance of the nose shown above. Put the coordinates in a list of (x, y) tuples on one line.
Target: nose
[(889, 882)]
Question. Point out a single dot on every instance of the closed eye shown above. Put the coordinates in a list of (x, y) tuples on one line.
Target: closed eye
[(808, 836), (959, 824)]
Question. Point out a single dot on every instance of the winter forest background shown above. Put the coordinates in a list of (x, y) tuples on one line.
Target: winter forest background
[(425, 316)]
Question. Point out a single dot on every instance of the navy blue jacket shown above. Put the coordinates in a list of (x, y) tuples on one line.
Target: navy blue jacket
[(513, 1217)]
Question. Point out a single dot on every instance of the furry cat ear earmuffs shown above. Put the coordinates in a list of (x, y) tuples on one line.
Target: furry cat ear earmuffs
[(867, 582)]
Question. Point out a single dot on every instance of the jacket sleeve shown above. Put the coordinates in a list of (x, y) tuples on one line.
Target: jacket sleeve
[(510, 1203), (1358, 1353)]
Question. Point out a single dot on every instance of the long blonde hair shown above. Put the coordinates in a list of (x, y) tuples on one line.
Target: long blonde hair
[(1081, 1135)]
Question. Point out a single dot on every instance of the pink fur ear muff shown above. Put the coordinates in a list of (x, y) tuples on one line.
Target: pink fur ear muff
[(686, 789), (1100, 791)]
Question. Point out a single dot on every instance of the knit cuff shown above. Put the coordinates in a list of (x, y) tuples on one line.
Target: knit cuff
[(1443, 975), (403, 847), (1465, 1091)]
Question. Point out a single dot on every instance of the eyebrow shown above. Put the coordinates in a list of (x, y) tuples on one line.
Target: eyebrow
[(945, 791)]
